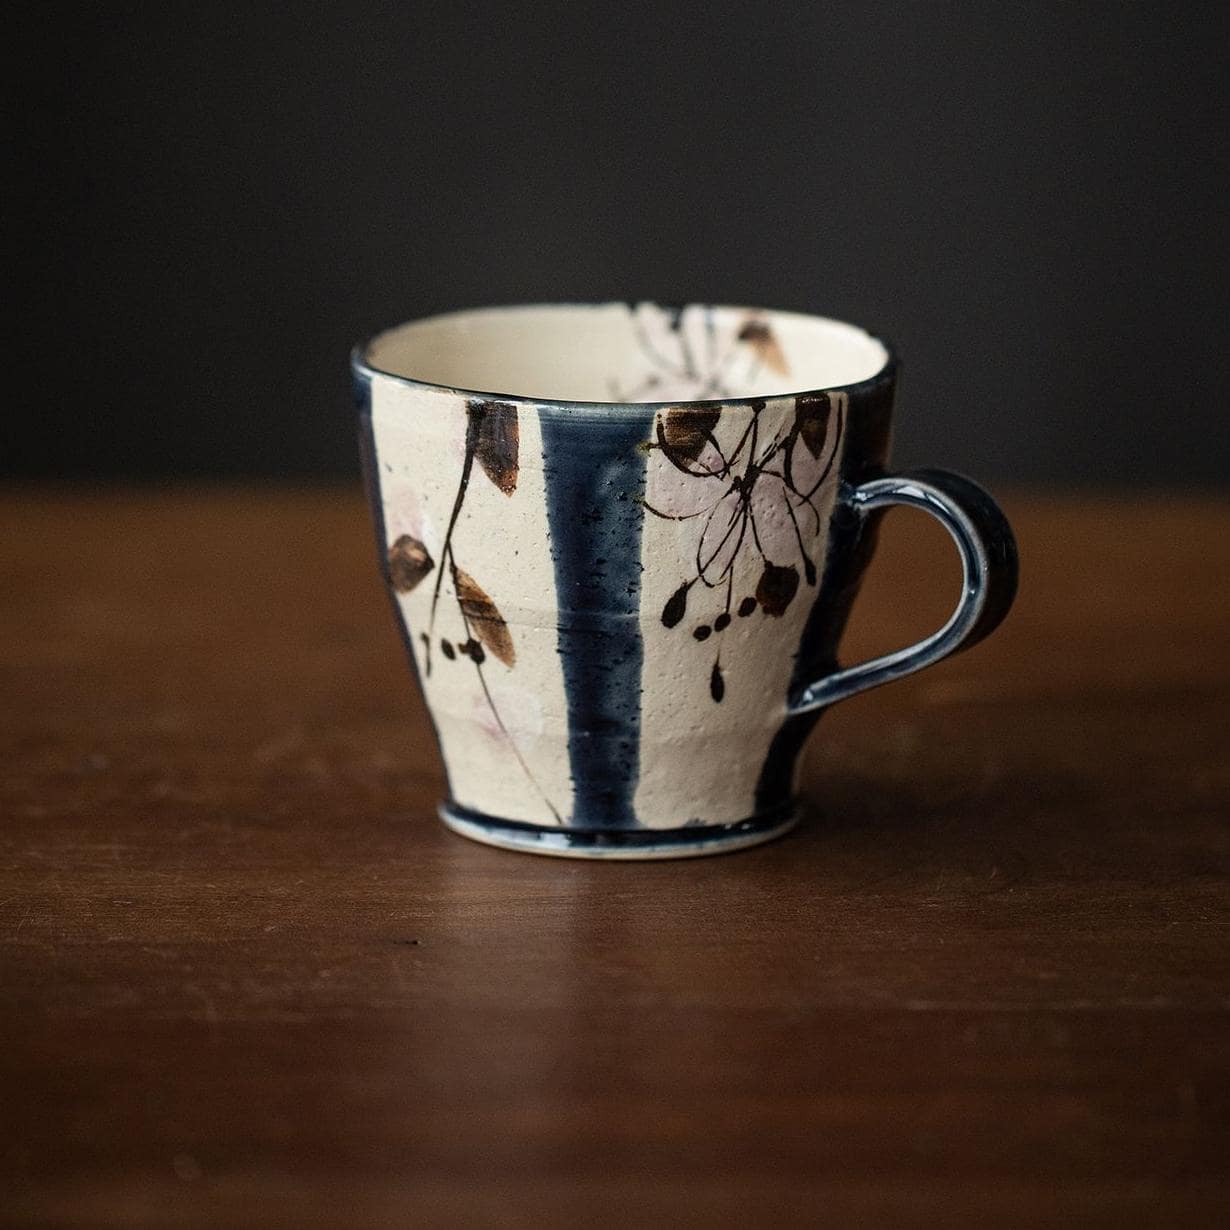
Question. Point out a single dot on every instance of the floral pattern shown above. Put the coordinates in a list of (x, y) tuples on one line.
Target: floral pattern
[(758, 497), (695, 363)]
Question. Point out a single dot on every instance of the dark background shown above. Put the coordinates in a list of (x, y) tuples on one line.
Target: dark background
[(214, 202)]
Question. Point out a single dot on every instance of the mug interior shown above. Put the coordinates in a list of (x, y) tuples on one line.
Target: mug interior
[(621, 352)]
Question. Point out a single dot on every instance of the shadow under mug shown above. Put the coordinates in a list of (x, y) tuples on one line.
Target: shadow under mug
[(622, 543)]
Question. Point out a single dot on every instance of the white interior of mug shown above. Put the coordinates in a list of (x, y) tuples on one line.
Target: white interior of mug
[(619, 352)]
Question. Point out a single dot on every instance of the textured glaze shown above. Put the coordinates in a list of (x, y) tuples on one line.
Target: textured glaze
[(595, 485), (624, 613)]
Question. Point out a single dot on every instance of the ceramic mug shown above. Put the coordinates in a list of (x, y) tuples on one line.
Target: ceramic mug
[(622, 542)]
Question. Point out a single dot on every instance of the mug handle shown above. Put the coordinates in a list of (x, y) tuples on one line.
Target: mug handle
[(988, 560)]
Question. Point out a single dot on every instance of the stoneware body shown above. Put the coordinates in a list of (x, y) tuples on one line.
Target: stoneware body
[(622, 542)]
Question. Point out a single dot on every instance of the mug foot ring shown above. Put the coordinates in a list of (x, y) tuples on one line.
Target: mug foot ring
[(690, 842)]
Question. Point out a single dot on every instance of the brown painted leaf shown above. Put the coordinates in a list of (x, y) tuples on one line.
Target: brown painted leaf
[(409, 563), (494, 434), (676, 606), (764, 342), (484, 617), (686, 428), (811, 417), (717, 685), (777, 588)]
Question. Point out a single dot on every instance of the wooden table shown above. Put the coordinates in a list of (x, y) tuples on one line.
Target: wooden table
[(248, 980)]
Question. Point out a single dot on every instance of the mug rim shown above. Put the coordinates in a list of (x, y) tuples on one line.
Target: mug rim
[(361, 366)]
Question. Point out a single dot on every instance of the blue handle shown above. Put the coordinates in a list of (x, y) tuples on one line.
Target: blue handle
[(988, 559)]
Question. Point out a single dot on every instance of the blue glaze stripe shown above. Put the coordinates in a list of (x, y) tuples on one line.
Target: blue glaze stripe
[(594, 468)]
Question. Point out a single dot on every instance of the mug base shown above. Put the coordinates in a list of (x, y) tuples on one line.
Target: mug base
[(693, 841)]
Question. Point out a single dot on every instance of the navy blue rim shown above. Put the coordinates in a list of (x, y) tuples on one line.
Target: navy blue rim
[(361, 367), (628, 839)]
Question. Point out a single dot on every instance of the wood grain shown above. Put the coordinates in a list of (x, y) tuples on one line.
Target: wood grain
[(247, 979)]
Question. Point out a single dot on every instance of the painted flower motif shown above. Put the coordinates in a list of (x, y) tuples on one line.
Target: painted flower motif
[(758, 496), (687, 355), (519, 713), (403, 512)]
